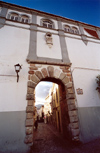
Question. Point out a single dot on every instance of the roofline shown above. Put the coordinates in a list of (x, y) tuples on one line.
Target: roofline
[(37, 11)]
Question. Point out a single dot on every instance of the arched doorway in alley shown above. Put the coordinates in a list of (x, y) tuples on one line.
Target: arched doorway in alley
[(67, 116)]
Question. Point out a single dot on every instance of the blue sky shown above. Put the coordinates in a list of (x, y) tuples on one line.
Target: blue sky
[(41, 91), (87, 11)]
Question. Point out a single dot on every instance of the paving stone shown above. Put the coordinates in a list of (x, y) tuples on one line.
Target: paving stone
[(29, 115), (73, 113), (70, 96), (30, 102), (29, 109), (33, 68), (29, 130), (70, 91), (31, 84), (73, 119), (62, 76), (35, 79), (57, 73), (69, 85), (71, 107), (44, 72), (75, 132), (70, 101), (30, 90), (39, 75), (29, 139), (74, 125), (65, 80), (50, 71), (31, 72), (29, 122), (29, 97)]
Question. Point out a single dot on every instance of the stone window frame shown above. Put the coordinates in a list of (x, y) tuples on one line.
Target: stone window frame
[(67, 28), (49, 23), (71, 29), (20, 16), (13, 16), (75, 30), (25, 18)]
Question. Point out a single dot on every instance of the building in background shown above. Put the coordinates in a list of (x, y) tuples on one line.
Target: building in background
[(52, 48), (55, 107)]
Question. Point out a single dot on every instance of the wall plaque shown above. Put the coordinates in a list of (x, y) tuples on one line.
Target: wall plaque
[(79, 91)]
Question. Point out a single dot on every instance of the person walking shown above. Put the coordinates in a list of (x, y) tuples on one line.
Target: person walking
[(35, 116)]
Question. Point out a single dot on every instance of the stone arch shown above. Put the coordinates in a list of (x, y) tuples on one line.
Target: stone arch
[(38, 73)]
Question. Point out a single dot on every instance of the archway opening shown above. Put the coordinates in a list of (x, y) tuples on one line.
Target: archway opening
[(53, 109), (68, 118)]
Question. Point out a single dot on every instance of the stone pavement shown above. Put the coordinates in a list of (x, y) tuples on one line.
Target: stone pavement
[(48, 140)]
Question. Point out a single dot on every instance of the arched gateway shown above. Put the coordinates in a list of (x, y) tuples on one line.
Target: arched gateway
[(60, 75)]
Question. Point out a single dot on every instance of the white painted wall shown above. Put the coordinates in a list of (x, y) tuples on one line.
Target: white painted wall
[(86, 79), (47, 30), (14, 46), (19, 25), (82, 55), (43, 49), (85, 61)]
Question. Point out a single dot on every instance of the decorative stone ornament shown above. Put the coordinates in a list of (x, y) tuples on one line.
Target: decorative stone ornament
[(48, 37)]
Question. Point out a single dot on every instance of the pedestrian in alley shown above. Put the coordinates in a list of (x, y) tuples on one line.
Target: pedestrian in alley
[(35, 116)]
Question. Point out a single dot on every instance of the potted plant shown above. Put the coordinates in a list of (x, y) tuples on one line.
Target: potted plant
[(98, 83)]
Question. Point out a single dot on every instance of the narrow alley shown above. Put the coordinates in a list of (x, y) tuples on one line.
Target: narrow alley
[(48, 140)]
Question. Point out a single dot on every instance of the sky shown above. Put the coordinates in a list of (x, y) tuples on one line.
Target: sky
[(41, 91), (87, 11)]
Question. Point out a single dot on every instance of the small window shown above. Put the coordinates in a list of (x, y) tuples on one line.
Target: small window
[(14, 17), (47, 24), (67, 28), (24, 19), (75, 30)]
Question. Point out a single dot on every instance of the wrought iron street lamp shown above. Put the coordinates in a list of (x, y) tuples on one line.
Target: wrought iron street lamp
[(17, 69)]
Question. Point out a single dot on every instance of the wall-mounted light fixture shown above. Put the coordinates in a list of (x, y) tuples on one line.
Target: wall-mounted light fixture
[(17, 69)]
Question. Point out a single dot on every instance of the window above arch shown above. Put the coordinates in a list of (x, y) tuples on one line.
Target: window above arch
[(24, 19), (47, 23), (67, 28), (14, 16), (71, 29), (75, 30)]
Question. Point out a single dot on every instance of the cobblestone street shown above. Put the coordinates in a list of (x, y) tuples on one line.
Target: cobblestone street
[(48, 140)]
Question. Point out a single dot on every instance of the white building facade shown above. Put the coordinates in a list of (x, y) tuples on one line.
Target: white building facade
[(50, 48)]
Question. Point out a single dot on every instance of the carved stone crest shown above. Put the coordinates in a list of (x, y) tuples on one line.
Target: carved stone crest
[(49, 39)]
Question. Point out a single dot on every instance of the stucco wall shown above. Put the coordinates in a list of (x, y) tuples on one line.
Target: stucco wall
[(14, 46), (85, 68), (43, 49), (13, 50), (12, 127)]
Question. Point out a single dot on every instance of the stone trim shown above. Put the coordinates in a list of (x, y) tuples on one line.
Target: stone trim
[(33, 39), (3, 16), (64, 51), (38, 73), (83, 36)]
